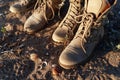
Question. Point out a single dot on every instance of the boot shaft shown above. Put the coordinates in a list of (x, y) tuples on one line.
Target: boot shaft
[(92, 18), (98, 7), (65, 31)]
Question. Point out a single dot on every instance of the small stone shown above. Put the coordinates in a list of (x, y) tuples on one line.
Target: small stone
[(49, 46), (47, 54), (9, 27), (33, 57), (55, 70), (54, 65), (113, 58), (90, 67), (37, 34)]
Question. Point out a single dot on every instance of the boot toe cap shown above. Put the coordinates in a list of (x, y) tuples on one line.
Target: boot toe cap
[(29, 26), (71, 57), (67, 60), (59, 35), (33, 24)]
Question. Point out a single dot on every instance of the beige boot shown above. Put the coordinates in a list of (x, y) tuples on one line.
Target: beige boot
[(88, 35), (66, 28), (22, 6), (41, 15)]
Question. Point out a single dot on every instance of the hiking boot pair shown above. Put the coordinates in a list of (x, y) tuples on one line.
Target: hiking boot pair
[(88, 34), (45, 11)]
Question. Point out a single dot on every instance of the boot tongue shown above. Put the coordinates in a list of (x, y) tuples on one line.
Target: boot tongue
[(97, 6)]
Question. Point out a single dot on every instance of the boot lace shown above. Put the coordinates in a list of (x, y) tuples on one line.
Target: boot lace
[(85, 28), (43, 4), (59, 7), (70, 19)]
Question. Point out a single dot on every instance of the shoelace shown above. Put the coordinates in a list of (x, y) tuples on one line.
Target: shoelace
[(70, 20), (59, 7), (84, 31), (43, 4)]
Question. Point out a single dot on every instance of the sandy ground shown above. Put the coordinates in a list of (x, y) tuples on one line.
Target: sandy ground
[(16, 47)]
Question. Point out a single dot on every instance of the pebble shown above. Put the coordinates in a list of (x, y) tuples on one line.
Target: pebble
[(113, 58), (90, 67), (34, 57), (55, 70), (47, 54)]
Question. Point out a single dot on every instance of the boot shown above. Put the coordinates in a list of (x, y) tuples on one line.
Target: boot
[(45, 11), (89, 33), (22, 5), (65, 30)]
